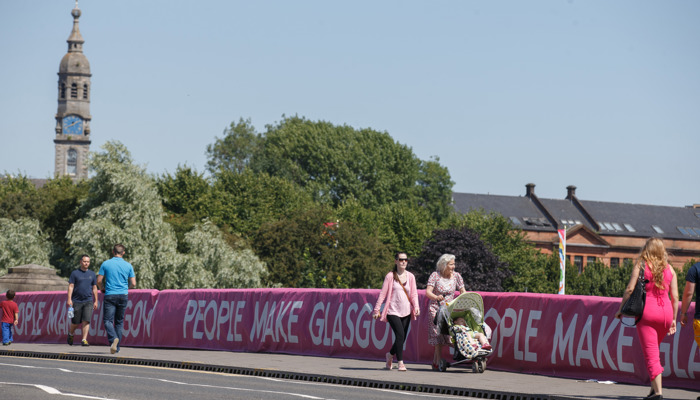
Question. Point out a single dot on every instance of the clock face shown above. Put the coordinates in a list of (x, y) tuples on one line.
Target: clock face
[(72, 125)]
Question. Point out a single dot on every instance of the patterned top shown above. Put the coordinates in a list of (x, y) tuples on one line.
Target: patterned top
[(441, 287)]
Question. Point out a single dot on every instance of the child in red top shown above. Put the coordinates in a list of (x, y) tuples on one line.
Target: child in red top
[(10, 316)]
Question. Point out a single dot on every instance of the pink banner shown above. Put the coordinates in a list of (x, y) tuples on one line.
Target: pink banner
[(567, 336)]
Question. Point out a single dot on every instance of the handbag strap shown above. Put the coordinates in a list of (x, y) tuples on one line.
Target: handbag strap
[(396, 278)]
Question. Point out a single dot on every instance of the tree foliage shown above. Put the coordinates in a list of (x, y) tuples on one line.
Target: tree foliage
[(311, 249), (123, 206), (480, 268), (235, 150), (22, 242)]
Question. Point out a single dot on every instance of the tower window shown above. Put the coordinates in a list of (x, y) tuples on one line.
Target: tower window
[(85, 91), (72, 162), (62, 90), (74, 91)]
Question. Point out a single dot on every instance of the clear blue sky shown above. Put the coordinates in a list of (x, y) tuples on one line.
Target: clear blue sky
[(603, 95)]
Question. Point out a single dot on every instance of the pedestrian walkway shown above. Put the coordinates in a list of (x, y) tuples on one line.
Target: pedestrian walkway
[(459, 381)]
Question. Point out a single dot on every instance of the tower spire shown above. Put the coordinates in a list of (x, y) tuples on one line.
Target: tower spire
[(73, 118)]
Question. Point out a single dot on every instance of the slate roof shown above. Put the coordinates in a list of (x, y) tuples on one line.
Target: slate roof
[(616, 219)]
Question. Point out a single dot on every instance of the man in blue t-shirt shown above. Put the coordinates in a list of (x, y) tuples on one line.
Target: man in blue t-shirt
[(115, 278), (82, 296), (691, 285)]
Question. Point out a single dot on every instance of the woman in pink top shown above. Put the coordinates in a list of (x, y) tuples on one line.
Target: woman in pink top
[(659, 317), (399, 291)]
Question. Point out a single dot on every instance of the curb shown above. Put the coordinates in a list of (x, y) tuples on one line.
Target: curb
[(272, 373)]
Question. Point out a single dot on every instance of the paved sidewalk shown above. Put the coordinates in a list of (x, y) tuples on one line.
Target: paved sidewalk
[(459, 381)]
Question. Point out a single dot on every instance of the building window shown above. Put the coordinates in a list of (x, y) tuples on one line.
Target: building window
[(62, 90), (657, 229), (74, 91), (578, 262), (72, 162), (85, 91), (614, 262), (590, 260)]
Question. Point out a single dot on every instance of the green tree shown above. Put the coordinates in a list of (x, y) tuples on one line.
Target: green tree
[(245, 201), (22, 242), (235, 150), (336, 163), (530, 272), (211, 262), (474, 260), (310, 249), (123, 206)]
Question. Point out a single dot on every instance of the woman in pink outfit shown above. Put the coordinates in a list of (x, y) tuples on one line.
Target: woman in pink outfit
[(659, 317), (399, 291)]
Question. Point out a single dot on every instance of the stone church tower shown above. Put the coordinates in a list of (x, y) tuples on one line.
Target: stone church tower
[(73, 116)]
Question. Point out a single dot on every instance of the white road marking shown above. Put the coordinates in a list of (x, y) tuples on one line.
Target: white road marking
[(50, 390)]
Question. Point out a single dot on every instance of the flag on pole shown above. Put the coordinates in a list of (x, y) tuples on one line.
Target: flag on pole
[(562, 260)]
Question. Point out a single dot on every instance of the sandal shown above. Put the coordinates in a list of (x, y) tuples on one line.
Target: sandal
[(435, 367), (389, 360), (402, 367)]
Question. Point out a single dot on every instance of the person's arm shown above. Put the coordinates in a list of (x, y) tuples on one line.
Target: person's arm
[(687, 296), (414, 296), (382, 295), (94, 296), (100, 282), (16, 318), (674, 302), (630, 288), (132, 282), (70, 294)]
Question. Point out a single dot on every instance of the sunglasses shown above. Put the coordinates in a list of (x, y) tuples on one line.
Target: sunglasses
[(402, 259)]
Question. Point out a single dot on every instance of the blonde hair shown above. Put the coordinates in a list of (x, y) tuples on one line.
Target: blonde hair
[(655, 256), (442, 262)]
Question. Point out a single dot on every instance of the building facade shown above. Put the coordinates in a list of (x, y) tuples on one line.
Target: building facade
[(611, 233), (73, 117)]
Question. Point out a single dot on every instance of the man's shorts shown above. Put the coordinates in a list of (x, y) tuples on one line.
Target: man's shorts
[(82, 312), (696, 329)]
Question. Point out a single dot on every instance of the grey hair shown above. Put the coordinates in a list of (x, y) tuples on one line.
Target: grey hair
[(442, 262)]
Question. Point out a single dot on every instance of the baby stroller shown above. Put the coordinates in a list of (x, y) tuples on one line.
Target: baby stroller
[(467, 349)]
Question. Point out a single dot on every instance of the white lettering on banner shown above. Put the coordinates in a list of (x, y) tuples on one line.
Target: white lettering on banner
[(603, 337), (239, 317), (210, 332), (338, 327), (563, 342), (495, 341), (135, 315), (366, 325), (190, 313), (508, 331), (347, 341), (222, 318), (665, 354), (31, 317), (269, 322), (693, 364), (587, 338), (380, 343), (279, 331), (293, 319), (531, 332), (679, 371), (56, 322), (624, 341)]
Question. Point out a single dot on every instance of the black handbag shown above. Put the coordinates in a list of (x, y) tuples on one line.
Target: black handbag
[(634, 306)]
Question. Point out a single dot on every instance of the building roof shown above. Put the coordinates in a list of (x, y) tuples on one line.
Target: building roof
[(618, 219)]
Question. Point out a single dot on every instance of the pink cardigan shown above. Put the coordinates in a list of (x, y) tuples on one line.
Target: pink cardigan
[(386, 293)]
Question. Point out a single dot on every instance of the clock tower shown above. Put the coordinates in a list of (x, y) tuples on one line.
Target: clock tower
[(73, 116)]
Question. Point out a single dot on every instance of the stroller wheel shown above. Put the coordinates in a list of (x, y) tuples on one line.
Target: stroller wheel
[(442, 365), (475, 367), (481, 364)]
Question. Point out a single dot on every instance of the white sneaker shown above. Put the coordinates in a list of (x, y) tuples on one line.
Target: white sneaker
[(113, 348)]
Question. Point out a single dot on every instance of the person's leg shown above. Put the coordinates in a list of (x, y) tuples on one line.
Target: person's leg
[(10, 328), (85, 317), (696, 331), (122, 302), (656, 384), (5, 333), (110, 306), (397, 328), (438, 354)]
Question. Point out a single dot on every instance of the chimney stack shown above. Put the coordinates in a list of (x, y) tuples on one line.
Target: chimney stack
[(529, 189), (570, 192)]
